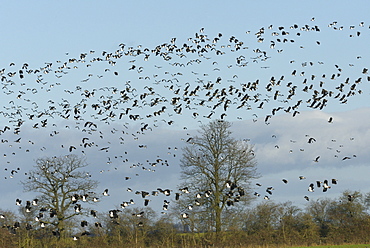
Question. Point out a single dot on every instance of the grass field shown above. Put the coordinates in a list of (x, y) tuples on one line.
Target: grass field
[(335, 246)]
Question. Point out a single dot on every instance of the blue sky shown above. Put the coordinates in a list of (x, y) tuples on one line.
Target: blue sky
[(46, 32)]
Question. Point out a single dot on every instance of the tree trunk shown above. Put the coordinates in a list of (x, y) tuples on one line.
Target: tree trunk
[(218, 220), (61, 227), (218, 224)]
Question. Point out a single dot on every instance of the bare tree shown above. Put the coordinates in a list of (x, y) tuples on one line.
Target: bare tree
[(63, 187), (217, 170)]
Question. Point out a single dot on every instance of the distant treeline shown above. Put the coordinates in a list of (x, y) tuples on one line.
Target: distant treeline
[(268, 224)]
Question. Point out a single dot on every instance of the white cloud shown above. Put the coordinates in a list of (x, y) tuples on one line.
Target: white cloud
[(349, 130)]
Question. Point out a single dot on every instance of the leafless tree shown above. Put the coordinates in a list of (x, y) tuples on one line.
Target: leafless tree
[(64, 188), (217, 170)]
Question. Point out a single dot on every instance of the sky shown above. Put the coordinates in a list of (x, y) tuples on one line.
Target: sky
[(46, 34)]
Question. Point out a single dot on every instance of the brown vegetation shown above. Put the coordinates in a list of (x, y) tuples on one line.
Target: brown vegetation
[(268, 224)]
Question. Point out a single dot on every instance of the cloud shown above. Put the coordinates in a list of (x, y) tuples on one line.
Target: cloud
[(282, 151), (341, 145), (283, 144)]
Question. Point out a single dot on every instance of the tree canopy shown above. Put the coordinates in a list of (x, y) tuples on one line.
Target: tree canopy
[(63, 186), (217, 169)]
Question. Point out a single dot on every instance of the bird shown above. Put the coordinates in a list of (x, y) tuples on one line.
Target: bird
[(113, 214), (77, 208), (326, 184), (177, 196), (93, 213), (97, 109), (311, 187), (71, 148), (185, 215), (105, 193)]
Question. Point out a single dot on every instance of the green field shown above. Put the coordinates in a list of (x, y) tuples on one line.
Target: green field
[(335, 246)]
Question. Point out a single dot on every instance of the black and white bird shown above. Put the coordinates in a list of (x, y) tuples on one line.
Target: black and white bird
[(105, 193), (311, 187), (185, 215)]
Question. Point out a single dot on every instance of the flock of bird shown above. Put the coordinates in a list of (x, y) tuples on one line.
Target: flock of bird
[(123, 90), (44, 216), (311, 188)]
